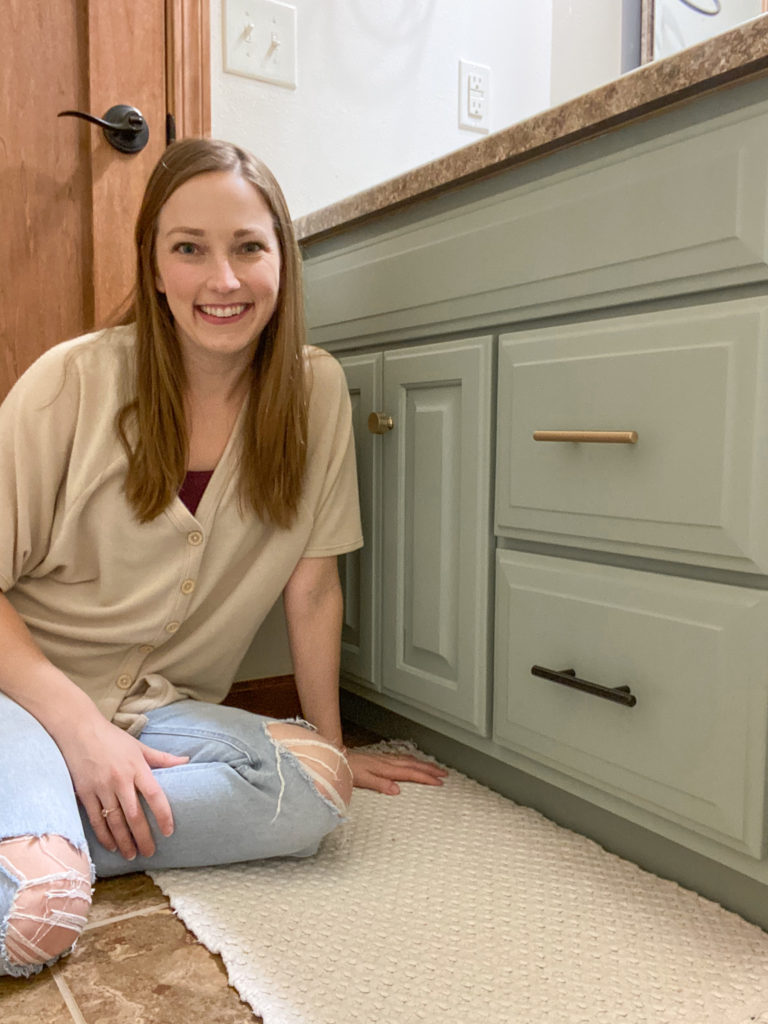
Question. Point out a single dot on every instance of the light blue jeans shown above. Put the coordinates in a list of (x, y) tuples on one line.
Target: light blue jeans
[(240, 797)]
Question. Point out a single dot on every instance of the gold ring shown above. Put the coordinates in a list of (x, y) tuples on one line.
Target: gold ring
[(105, 812)]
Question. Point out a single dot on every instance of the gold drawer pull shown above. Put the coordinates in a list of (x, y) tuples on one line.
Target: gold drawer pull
[(380, 423), (568, 677), (590, 436)]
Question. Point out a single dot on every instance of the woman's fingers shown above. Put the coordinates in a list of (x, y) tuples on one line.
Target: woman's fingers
[(160, 759), (382, 772), (113, 779), (151, 789), (118, 816), (112, 834)]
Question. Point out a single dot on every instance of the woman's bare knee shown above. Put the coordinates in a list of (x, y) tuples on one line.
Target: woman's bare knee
[(324, 763), (51, 904)]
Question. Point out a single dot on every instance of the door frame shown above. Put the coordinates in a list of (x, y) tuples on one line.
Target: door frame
[(188, 65)]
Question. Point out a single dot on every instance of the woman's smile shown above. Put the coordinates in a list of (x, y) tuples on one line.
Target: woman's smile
[(224, 314)]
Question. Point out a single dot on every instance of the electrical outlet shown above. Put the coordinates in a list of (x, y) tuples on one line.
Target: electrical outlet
[(474, 97), (476, 104), (260, 40)]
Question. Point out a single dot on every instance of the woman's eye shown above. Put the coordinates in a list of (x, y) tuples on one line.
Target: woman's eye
[(251, 248), (185, 248)]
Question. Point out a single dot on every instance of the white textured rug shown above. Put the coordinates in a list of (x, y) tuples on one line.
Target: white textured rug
[(455, 905)]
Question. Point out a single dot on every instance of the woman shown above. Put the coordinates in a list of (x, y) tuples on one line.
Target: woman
[(161, 484)]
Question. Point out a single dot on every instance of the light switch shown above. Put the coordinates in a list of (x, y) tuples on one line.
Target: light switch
[(260, 40)]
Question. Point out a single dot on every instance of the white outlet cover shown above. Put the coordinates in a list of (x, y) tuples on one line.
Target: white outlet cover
[(260, 40), (470, 101)]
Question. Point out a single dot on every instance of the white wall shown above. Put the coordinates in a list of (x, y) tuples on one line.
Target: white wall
[(378, 88)]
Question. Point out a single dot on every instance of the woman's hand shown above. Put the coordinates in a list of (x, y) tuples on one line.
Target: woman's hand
[(109, 770), (382, 772)]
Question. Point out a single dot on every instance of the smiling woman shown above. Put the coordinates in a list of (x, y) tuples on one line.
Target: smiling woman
[(126, 607), (221, 280), (189, 394)]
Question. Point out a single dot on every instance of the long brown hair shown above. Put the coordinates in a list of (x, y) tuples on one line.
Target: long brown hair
[(152, 426)]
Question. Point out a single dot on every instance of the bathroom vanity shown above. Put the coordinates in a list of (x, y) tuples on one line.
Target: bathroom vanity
[(556, 343)]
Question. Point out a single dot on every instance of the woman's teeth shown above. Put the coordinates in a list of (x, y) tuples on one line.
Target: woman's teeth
[(224, 311)]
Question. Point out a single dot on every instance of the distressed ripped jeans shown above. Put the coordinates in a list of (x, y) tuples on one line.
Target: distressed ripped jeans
[(245, 794)]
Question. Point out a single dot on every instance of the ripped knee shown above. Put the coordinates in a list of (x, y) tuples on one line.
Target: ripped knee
[(51, 904), (325, 764)]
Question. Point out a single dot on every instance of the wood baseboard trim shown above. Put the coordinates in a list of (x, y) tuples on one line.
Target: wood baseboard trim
[(274, 696)]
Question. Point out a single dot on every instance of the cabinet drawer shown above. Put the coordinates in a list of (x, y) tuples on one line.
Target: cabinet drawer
[(691, 384), (693, 653)]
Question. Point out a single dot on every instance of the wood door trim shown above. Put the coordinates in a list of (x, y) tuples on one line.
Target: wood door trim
[(188, 65)]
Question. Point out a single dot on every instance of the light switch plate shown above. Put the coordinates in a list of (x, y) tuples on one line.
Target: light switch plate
[(260, 40)]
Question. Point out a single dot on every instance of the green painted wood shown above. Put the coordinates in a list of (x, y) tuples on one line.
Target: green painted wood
[(693, 749), (667, 213), (435, 530), (692, 384), (659, 210), (360, 571)]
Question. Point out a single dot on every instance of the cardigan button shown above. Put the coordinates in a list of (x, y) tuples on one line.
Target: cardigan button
[(187, 586), (194, 538), (124, 682), (172, 627)]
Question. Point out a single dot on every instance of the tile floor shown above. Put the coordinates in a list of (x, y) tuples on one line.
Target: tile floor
[(135, 963)]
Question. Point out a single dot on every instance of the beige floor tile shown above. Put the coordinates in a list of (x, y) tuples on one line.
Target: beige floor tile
[(124, 895), (32, 1001), (150, 969)]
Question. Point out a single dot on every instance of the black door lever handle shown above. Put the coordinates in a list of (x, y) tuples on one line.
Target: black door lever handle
[(124, 127)]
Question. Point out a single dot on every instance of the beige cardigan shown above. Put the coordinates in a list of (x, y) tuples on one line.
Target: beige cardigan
[(139, 615)]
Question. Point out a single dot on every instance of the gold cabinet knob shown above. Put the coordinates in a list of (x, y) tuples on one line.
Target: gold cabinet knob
[(379, 423)]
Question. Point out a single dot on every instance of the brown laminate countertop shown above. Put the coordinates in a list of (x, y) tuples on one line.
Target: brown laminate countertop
[(652, 88)]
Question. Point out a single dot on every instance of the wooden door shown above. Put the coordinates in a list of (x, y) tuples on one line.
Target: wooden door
[(69, 199)]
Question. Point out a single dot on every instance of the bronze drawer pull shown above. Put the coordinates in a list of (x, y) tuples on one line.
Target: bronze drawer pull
[(568, 677), (589, 436)]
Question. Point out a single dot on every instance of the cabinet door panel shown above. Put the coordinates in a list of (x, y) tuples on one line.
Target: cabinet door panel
[(429, 514), (360, 570), (691, 384), (436, 536), (693, 748)]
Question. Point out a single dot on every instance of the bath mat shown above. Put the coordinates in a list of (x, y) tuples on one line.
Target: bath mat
[(455, 905)]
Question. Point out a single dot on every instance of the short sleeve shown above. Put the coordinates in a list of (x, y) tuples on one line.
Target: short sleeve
[(37, 421), (331, 472)]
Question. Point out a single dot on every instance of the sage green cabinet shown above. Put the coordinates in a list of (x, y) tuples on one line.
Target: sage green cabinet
[(688, 387), (667, 207), (425, 495), (360, 570), (693, 654), (624, 282)]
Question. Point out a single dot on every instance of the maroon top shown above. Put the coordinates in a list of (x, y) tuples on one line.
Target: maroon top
[(192, 489)]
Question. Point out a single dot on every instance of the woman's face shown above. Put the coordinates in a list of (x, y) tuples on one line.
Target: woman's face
[(217, 261)]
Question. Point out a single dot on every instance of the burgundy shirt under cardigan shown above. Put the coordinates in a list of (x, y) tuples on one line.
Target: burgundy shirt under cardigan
[(194, 486)]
